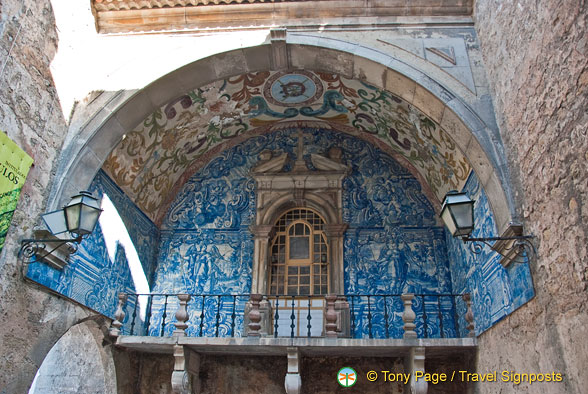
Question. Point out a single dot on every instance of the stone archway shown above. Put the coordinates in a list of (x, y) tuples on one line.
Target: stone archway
[(97, 138), (77, 363)]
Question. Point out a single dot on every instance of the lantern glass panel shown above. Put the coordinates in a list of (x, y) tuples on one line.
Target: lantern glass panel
[(72, 215), (88, 219), (55, 221), (464, 218)]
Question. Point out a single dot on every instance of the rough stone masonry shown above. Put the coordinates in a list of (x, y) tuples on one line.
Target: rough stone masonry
[(535, 54)]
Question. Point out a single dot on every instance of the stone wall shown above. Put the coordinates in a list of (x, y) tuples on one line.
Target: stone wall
[(535, 54), (32, 320), (78, 363), (151, 374)]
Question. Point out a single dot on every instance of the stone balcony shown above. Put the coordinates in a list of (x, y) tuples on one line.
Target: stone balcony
[(410, 327)]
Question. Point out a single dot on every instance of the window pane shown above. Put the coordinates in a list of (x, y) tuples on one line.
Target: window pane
[(292, 270), (305, 280), (299, 247)]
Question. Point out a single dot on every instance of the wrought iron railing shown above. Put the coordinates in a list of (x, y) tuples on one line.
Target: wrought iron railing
[(360, 316)]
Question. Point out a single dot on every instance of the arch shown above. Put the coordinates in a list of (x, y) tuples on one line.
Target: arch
[(77, 362), (444, 101), (287, 201)]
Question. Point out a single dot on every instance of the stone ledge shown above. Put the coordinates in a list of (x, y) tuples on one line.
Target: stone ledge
[(307, 346), (137, 16)]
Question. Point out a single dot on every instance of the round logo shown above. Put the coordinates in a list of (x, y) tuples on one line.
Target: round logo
[(293, 89), (346, 377)]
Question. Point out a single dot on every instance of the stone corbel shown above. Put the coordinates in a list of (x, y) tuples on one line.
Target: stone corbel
[(185, 377), (415, 362), (293, 381)]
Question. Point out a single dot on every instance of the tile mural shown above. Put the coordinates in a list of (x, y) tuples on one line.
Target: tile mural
[(91, 277), (496, 291), (395, 244)]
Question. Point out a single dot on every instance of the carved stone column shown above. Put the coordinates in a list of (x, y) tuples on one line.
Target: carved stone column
[(335, 233), (266, 321), (343, 317), (182, 316), (119, 315), (469, 317), (331, 317), (255, 316), (261, 235), (408, 316), (293, 381)]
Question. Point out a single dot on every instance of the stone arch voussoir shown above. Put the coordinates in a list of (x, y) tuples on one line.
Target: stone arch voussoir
[(116, 113)]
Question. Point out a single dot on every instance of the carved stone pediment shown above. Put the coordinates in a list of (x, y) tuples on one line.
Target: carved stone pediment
[(269, 164), (322, 163)]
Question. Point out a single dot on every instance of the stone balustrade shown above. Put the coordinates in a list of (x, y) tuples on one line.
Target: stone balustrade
[(407, 316)]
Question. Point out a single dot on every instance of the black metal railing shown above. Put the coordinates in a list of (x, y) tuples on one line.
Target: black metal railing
[(380, 315), (361, 316)]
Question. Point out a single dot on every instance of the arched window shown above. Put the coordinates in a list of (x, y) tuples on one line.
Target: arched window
[(299, 255)]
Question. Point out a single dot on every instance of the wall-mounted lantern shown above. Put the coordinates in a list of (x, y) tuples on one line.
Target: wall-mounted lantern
[(78, 219), (458, 215)]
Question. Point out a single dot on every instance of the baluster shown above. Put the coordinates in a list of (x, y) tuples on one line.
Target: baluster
[(134, 314), (331, 316), (440, 317), (386, 317), (233, 316), (455, 317), (408, 316), (352, 317), (370, 318), (149, 312), (309, 317), (254, 315), (164, 315), (182, 316), (116, 325), (469, 317), (202, 316), (218, 302), (276, 317), (292, 317), (425, 326)]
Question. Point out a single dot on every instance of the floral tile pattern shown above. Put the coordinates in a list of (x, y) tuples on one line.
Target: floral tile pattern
[(152, 162)]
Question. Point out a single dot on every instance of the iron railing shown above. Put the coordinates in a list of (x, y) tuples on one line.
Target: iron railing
[(361, 316)]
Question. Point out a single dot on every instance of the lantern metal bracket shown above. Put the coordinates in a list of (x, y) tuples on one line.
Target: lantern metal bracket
[(33, 250), (511, 248), (77, 220)]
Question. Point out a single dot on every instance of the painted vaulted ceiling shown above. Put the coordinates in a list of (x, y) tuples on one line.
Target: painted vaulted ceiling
[(156, 158)]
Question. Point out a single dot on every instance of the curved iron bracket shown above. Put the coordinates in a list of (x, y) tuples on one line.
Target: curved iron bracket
[(515, 246), (33, 250)]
